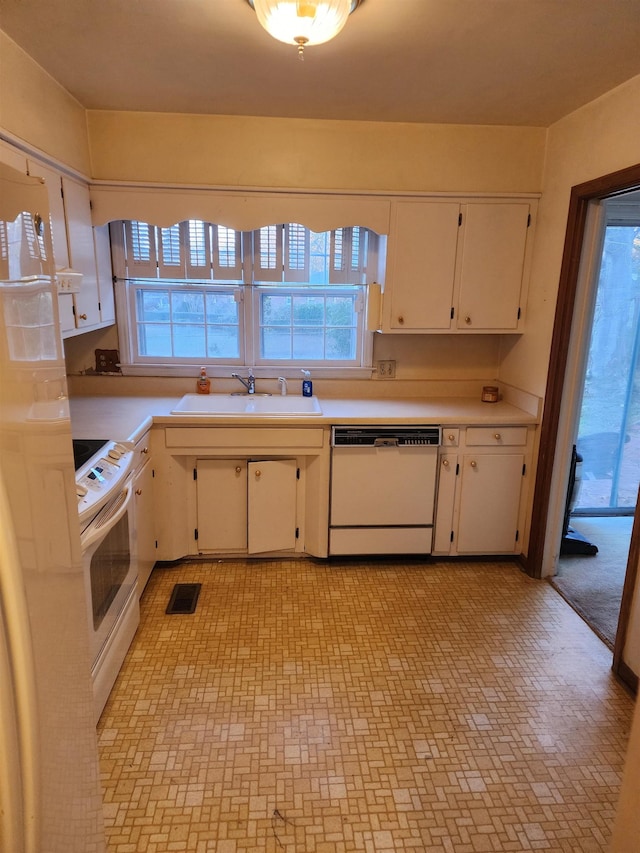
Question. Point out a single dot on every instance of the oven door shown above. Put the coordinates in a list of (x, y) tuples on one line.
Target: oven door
[(111, 584)]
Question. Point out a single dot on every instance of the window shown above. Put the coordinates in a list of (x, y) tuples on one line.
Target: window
[(279, 296)]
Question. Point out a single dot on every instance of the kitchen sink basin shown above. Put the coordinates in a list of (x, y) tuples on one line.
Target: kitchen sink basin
[(247, 404)]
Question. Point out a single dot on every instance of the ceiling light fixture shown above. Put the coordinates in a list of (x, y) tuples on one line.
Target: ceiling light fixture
[(303, 22)]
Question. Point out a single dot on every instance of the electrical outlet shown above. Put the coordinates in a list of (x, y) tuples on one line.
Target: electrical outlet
[(386, 369)]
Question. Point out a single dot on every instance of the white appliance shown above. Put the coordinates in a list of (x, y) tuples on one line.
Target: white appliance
[(383, 485), (50, 798), (104, 489)]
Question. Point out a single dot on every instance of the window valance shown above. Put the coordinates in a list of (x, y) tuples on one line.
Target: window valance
[(242, 211)]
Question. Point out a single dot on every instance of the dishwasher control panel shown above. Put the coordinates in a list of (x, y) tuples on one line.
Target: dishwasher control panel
[(381, 436)]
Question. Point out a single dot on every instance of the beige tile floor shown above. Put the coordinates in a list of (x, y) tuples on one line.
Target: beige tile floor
[(321, 708)]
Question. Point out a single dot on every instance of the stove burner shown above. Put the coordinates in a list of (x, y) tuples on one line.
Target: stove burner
[(85, 448)]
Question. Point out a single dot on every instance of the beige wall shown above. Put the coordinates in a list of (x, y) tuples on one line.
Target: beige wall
[(35, 110), (597, 139), (301, 153)]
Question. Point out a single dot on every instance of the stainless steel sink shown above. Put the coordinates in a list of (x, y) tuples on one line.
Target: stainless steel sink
[(247, 404)]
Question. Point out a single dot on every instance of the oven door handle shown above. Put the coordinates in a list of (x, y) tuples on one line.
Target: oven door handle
[(106, 519)]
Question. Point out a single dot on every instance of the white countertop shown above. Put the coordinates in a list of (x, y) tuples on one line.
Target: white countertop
[(127, 418)]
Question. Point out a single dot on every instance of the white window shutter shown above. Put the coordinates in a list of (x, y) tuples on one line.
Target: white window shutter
[(140, 245), (348, 256), (196, 238), (267, 253), (227, 253), (171, 261), (297, 244)]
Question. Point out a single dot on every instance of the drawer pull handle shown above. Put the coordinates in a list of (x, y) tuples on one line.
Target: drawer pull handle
[(467, 320), (445, 462), (401, 320), (497, 436), (138, 492), (144, 450), (238, 469), (474, 464), (451, 437), (258, 473), (82, 317)]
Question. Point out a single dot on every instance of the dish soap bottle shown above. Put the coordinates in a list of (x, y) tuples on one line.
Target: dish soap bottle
[(307, 385), (203, 385)]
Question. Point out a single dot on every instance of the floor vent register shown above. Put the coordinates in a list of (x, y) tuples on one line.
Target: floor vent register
[(184, 598)]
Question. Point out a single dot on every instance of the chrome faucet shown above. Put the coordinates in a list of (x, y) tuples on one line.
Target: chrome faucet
[(249, 383), (283, 385)]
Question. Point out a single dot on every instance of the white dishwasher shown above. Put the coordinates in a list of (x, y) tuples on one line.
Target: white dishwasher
[(383, 484)]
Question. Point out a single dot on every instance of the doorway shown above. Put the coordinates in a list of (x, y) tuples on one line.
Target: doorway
[(557, 430), (605, 469)]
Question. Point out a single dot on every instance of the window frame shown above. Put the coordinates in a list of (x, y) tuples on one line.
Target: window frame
[(247, 293)]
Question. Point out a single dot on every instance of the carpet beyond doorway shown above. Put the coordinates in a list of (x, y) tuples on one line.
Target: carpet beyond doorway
[(592, 585)]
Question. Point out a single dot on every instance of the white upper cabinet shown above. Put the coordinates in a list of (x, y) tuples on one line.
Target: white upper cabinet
[(56, 211), (421, 260), (492, 265), (77, 245), (457, 266), (82, 257)]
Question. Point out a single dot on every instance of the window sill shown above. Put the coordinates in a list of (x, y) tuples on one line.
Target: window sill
[(263, 372)]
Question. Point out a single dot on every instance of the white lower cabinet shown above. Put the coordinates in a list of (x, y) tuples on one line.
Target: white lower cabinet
[(144, 545), (482, 487), (490, 487), (246, 506)]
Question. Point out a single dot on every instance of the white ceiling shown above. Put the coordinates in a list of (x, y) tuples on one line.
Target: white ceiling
[(514, 62)]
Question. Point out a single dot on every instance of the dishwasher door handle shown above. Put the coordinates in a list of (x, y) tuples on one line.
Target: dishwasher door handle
[(386, 441)]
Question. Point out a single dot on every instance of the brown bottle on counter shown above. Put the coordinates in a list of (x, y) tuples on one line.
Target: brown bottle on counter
[(203, 385)]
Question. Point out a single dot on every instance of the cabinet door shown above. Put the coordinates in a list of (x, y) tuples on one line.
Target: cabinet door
[(105, 275), (421, 266), (272, 505), (491, 484), (221, 490), (67, 312), (492, 265), (445, 503), (56, 211), (13, 157), (144, 544), (81, 250)]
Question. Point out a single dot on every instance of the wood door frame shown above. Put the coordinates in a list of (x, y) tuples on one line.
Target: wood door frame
[(581, 196)]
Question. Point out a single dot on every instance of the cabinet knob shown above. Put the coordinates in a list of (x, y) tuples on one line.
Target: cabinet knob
[(401, 320), (467, 320), (82, 317), (474, 464), (497, 436), (258, 473), (445, 463), (451, 437), (238, 469), (144, 450), (138, 492)]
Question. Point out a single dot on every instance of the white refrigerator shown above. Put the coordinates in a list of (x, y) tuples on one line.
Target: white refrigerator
[(50, 798)]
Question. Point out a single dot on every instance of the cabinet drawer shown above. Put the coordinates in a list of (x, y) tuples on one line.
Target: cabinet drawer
[(244, 438), (496, 436), (141, 451), (450, 436)]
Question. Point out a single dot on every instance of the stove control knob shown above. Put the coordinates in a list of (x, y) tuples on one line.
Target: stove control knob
[(115, 453), (81, 490)]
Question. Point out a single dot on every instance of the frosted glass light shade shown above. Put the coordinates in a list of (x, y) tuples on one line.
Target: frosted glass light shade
[(303, 22)]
